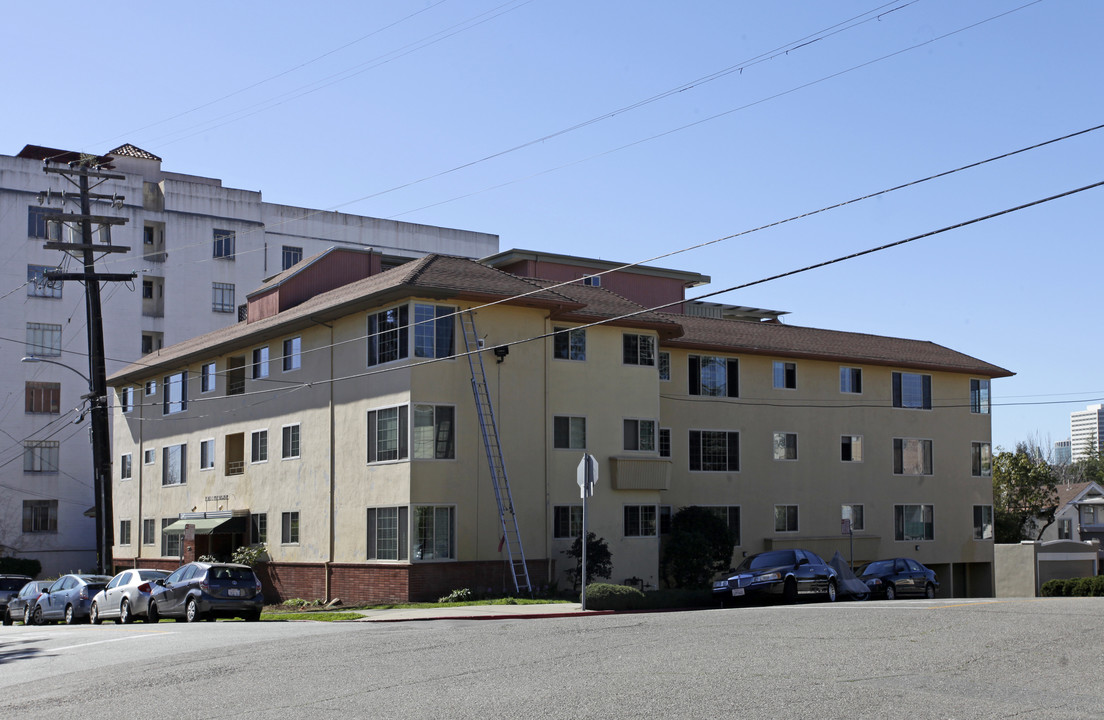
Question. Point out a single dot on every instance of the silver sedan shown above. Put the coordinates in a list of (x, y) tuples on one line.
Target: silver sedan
[(125, 597)]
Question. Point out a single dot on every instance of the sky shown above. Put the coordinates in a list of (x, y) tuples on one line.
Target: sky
[(629, 130)]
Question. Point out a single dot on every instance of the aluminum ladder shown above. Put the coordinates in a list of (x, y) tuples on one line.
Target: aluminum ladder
[(511, 537)]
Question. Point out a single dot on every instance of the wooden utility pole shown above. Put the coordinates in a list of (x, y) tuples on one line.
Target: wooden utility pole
[(84, 170)]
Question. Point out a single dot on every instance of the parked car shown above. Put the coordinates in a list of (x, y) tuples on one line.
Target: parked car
[(21, 606), (779, 574), (203, 590), (10, 585), (68, 598), (897, 577), (126, 597)]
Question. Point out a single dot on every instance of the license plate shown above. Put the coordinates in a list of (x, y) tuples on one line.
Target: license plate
[(737, 592), (233, 592)]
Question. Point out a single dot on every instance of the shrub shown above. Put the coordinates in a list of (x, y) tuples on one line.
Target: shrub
[(1074, 587), (20, 566), (300, 602), (698, 548), (460, 595), (603, 596), (599, 557), (249, 554)]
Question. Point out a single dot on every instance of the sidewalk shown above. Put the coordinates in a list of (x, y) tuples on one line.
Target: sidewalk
[(478, 612)]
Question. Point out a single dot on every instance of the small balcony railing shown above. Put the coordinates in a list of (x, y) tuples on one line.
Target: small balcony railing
[(235, 467)]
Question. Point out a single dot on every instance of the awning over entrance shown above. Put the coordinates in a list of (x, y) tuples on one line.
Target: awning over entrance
[(209, 526)]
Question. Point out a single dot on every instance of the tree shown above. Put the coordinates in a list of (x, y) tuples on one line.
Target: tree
[(599, 558), (698, 548), (1025, 494)]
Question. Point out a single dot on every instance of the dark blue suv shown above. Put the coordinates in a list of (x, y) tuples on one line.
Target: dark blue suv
[(207, 591)]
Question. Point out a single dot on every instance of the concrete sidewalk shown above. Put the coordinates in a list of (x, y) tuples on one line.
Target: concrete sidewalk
[(478, 612)]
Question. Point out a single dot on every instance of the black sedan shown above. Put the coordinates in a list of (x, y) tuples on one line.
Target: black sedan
[(779, 574), (898, 577)]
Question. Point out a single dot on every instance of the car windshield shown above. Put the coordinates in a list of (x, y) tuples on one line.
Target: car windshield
[(776, 558), (152, 574), (12, 584), (230, 573), (881, 567)]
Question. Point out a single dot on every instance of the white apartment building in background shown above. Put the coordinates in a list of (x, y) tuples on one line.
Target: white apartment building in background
[(1086, 430), (197, 247)]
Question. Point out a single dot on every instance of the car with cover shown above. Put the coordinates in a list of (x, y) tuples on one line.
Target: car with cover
[(899, 577), (126, 596), (207, 591), (69, 598), (779, 574)]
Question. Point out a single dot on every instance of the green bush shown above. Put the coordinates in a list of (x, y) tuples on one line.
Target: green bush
[(603, 596), (459, 595), (249, 554), (1074, 587), (20, 566)]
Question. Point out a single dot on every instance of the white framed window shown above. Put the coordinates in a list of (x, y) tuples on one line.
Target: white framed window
[(124, 532), (125, 467), (207, 454), (149, 531), (853, 513), (592, 280), (640, 521), (290, 255), (258, 446), (207, 377), (714, 451), (258, 528), (289, 528), (170, 542), (149, 456), (912, 391), (851, 448), (784, 375), (43, 340), (638, 349), (260, 362), (785, 518), (289, 442), (222, 297), (434, 334), (388, 335), (151, 387), (979, 395), (1065, 528), (913, 522), (713, 376), (174, 465), (567, 521), (223, 245), (665, 442), (126, 399), (388, 533), (851, 380), (434, 532), (293, 353), (912, 456), (39, 286), (981, 459), (569, 343), (41, 456), (40, 516), (639, 435), (569, 433), (785, 446), (664, 366), (434, 433), (983, 522), (387, 434), (175, 397)]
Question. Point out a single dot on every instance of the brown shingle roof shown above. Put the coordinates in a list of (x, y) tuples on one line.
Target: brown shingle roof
[(600, 304), (129, 150)]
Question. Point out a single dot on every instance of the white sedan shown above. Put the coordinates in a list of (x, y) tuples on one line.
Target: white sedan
[(125, 597)]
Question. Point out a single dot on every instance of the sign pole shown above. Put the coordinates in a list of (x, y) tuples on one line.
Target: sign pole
[(585, 476)]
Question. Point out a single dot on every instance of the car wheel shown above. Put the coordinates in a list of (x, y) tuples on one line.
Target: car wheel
[(151, 614), (7, 617), (191, 611), (929, 591), (94, 614), (891, 593), (831, 591), (70, 615), (124, 612), (37, 617), (253, 616), (789, 591)]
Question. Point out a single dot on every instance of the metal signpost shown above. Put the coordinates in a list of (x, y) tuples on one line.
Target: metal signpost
[(845, 528), (586, 476)]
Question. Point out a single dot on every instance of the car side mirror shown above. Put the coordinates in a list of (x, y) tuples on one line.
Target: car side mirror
[(159, 581)]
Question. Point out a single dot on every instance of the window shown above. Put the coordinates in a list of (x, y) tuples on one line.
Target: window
[(260, 362), (151, 387), (569, 433), (39, 286), (387, 533), (979, 396), (638, 349), (40, 516), (665, 442), (293, 353), (207, 454), (731, 515), (850, 380), (174, 468), (983, 522), (785, 518), (43, 340), (290, 256), (640, 521), (41, 456), (289, 528), (433, 533), (124, 532), (785, 375), (126, 399), (640, 435), (222, 297), (434, 436), (433, 331), (387, 429), (981, 460), (714, 451), (126, 468), (388, 335), (176, 393), (43, 397), (289, 442), (851, 448), (569, 343), (912, 390), (258, 528), (592, 280), (1065, 528), (714, 376), (149, 456), (664, 366), (38, 227), (664, 519), (567, 521), (913, 522), (912, 456), (149, 531), (148, 235), (854, 513), (147, 289), (208, 376), (785, 446), (224, 244), (170, 542), (258, 446)]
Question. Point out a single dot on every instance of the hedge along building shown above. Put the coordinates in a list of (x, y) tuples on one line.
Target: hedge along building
[(338, 425)]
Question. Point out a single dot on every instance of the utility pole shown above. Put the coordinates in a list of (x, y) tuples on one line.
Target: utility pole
[(84, 170)]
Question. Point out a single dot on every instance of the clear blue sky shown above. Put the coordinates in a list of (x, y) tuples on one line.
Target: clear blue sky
[(368, 106)]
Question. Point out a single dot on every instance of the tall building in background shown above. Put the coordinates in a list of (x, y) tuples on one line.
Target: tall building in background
[(1062, 454), (1085, 431), (197, 247)]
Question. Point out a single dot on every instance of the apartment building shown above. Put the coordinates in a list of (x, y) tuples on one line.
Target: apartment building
[(197, 247), (341, 430), (1086, 432)]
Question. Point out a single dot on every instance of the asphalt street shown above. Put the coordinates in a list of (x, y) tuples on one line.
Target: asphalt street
[(1029, 658)]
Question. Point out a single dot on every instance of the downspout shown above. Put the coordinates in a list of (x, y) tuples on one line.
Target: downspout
[(333, 468), (141, 467), (547, 458)]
